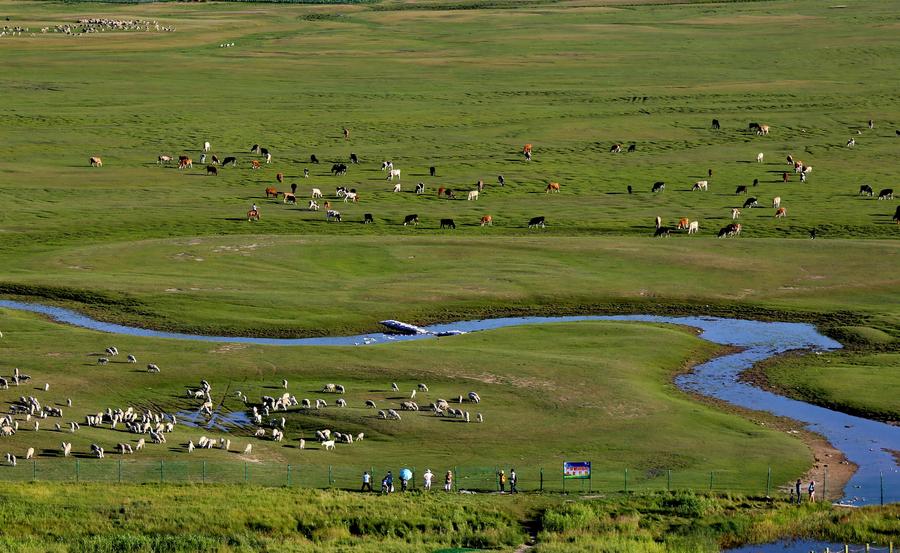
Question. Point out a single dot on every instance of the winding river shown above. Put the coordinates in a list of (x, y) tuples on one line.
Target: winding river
[(864, 442)]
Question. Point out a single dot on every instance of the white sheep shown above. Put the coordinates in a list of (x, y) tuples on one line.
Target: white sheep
[(360, 436), (248, 449), (191, 446), (479, 417), (29, 453), (328, 445), (302, 443)]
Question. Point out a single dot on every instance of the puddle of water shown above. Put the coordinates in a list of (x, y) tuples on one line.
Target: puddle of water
[(222, 422), (863, 441), (799, 546)]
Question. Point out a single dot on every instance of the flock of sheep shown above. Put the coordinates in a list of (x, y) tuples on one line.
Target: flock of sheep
[(149, 426)]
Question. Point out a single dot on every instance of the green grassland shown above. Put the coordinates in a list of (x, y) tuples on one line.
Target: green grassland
[(230, 518)]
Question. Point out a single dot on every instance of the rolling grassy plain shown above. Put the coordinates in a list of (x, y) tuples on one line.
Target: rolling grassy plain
[(462, 90)]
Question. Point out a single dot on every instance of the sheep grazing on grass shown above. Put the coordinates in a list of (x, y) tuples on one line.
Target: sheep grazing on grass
[(30, 453), (327, 445), (302, 443), (140, 445), (248, 450)]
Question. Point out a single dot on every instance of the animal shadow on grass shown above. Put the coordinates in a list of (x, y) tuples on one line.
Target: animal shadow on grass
[(234, 219)]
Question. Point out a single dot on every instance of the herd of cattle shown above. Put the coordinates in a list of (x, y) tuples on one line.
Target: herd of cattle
[(212, 164)]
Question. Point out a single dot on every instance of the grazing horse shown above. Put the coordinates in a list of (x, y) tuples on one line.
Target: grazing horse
[(552, 187), (96, 162), (253, 215), (489, 221)]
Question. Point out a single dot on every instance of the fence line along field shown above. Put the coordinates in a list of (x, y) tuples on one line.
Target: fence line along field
[(279, 169)]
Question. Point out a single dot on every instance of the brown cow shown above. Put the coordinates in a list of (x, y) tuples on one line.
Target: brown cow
[(441, 191), (487, 220), (185, 163), (279, 177), (762, 129), (526, 149), (255, 164), (253, 214), (683, 223), (290, 198), (785, 176), (780, 212), (553, 187), (271, 191), (346, 133), (96, 162), (210, 170)]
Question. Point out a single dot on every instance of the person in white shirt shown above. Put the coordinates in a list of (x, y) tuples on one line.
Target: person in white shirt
[(428, 476)]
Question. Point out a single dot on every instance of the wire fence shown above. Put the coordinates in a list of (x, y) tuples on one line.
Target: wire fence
[(470, 478)]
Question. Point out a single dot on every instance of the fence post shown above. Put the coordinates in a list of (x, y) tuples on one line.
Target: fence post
[(246, 472), (669, 480), (120, 471), (456, 480), (769, 483), (710, 480), (626, 480), (162, 476), (33, 470), (204, 471), (77, 476), (846, 548), (542, 478), (881, 476), (825, 485), (289, 475), (330, 477)]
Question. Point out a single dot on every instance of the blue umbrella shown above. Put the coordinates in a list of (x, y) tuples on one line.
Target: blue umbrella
[(405, 474)]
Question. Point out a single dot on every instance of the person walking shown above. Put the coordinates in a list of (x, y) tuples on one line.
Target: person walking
[(367, 482), (428, 476), (513, 480), (797, 485), (448, 481), (812, 491), (501, 476), (390, 482)]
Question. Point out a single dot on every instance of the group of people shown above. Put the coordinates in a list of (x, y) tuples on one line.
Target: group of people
[(387, 483), (796, 491)]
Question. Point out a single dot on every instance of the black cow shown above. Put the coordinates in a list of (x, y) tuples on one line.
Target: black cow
[(338, 169), (658, 186), (501, 180), (754, 126), (414, 219), (432, 171), (215, 160), (449, 194), (210, 170), (420, 188), (353, 158), (294, 188), (898, 133), (264, 152), (231, 160), (812, 234), (305, 173), (367, 218), (662, 231), (313, 159), (886, 194), (709, 172), (755, 182), (630, 190), (536, 222), (741, 189), (866, 190), (448, 223), (751, 202), (632, 148), (715, 124), (897, 215), (254, 149)]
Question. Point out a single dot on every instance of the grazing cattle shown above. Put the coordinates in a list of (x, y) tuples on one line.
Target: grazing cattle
[(741, 189), (683, 223), (254, 164), (346, 132), (385, 165), (785, 177), (96, 162), (735, 213), (730, 230), (755, 182), (616, 148), (211, 170), (897, 132), (206, 146), (202, 158), (448, 223), (271, 191), (441, 191), (693, 227), (790, 160), (163, 159), (313, 206), (290, 198), (798, 166), (501, 180), (762, 130), (254, 149), (715, 124), (662, 231), (338, 169), (630, 189), (658, 187), (751, 202), (526, 149), (776, 202), (449, 193), (871, 124), (231, 160), (487, 220), (759, 157), (252, 215), (754, 126), (780, 212), (632, 148), (851, 143), (812, 234), (658, 221), (332, 214), (420, 188), (480, 185), (316, 193), (279, 177), (313, 159), (215, 160), (709, 173), (397, 187), (432, 171), (411, 219), (351, 197), (897, 215), (185, 163), (886, 194), (536, 222), (368, 218), (552, 187), (701, 185), (353, 158), (305, 173), (393, 173), (327, 205), (865, 190), (473, 195)]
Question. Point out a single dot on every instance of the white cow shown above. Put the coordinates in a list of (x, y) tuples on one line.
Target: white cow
[(206, 146), (759, 157), (735, 213), (776, 202), (701, 185), (397, 187), (473, 195), (394, 173), (316, 193), (693, 227), (313, 206)]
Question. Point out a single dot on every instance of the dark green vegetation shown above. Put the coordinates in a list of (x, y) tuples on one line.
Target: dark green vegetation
[(229, 518)]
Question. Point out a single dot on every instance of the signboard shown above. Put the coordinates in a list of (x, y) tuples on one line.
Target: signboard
[(580, 470)]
